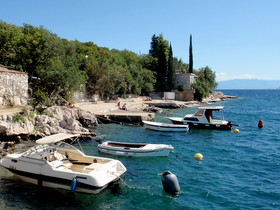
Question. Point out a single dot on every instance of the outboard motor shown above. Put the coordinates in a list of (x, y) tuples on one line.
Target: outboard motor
[(99, 140), (170, 183)]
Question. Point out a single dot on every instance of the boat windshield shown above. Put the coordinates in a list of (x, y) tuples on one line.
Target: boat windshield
[(36, 152), (199, 112), (65, 145), (210, 116)]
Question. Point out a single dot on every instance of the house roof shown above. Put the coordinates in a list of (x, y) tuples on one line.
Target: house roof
[(9, 70)]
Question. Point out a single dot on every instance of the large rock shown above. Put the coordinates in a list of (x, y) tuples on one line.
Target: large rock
[(54, 120), (63, 113)]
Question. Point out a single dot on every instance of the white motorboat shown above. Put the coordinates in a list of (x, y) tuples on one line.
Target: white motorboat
[(57, 164), (134, 149), (157, 126), (203, 118)]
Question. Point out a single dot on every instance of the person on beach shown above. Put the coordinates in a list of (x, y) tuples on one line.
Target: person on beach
[(119, 105), (124, 107)]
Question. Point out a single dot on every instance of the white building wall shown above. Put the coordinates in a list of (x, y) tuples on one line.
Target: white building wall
[(185, 79)]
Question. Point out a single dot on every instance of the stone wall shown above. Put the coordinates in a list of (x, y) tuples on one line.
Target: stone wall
[(186, 95), (13, 88)]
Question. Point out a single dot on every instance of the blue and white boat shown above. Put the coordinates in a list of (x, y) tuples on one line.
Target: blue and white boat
[(134, 149), (157, 126)]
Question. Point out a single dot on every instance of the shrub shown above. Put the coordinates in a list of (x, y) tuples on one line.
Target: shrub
[(18, 118)]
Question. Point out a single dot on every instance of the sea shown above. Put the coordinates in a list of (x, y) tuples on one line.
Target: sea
[(240, 170)]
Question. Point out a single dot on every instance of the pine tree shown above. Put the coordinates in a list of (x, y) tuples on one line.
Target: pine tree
[(190, 56)]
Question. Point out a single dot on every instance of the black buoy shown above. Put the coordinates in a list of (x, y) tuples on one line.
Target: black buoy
[(170, 183)]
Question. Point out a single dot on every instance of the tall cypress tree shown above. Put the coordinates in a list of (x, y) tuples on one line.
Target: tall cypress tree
[(170, 71), (162, 69), (190, 56)]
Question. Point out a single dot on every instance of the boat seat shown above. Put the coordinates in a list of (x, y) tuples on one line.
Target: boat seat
[(93, 166), (58, 156)]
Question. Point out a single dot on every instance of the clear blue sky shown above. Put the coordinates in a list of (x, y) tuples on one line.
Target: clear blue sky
[(236, 39)]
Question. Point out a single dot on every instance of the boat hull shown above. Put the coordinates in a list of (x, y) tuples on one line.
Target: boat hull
[(128, 150), (203, 125), (160, 153), (55, 182), (165, 127)]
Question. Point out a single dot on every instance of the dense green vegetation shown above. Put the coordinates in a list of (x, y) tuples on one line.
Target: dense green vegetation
[(58, 67), (205, 83)]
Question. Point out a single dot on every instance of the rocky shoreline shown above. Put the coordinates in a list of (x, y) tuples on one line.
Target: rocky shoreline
[(28, 125)]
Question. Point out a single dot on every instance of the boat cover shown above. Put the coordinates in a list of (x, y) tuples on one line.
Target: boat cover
[(211, 107), (55, 138)]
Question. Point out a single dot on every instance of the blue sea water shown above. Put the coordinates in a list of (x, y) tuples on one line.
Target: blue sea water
[(239, 170)]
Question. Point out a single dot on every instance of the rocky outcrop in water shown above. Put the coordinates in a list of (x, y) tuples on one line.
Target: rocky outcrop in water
[(216, 97)]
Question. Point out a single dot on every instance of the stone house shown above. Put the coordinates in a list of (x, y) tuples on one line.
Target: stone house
[(13, 87), (186, 80)]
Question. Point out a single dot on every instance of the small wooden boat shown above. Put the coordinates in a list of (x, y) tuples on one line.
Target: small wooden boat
[(157, 126), (134, 149)]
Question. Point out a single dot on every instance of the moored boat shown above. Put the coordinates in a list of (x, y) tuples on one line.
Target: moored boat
[(134, 149), (157, 126), (57, 164), (203, 118)]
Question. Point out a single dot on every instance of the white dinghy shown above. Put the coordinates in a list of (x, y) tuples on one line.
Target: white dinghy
[(134, 149), (57, 164), (157, 126)]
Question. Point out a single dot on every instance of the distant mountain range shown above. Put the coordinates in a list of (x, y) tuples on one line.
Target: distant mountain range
[(249, 84)]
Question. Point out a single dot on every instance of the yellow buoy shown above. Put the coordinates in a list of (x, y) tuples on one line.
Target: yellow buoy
[(198, 156), (236, 130)]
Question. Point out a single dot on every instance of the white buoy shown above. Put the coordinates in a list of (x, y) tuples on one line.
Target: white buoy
[(170, 183)]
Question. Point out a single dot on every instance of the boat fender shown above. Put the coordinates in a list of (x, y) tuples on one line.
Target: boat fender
[(260, 124), (74, 184), (170, 183)]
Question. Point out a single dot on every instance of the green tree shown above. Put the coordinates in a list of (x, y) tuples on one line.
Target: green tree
[(179, 65), (58, 81), (37, 48), (190, 56), (159, 50), (58, 67), (170, 83), (205, 83), (10, 45)]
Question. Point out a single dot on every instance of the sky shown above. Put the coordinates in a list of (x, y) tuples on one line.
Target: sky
[(238, 39)]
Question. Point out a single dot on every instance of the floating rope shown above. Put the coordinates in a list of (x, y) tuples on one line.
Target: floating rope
[(174, 153)]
